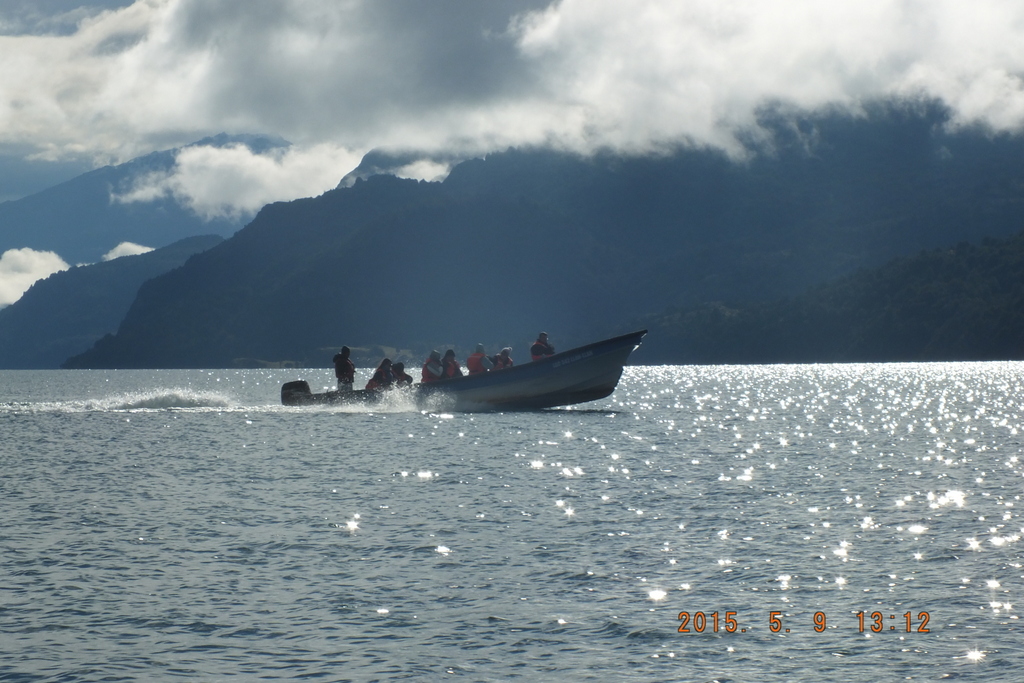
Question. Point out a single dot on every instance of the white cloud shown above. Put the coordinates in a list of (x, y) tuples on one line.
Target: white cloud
[(474, 77), (19, 268), (648, 73), (424, 169), (235, 182), (126, 249)]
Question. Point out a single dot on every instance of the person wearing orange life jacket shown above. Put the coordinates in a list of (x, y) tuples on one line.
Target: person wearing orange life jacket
[(541, 348), (504, 359), (451, 366), (383, 377), (433, 369), (402, 379), (478, 361)]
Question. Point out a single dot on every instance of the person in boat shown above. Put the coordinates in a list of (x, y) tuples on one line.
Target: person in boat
[(451, 366), (402, 379), (383, 377), (433, 369), (479, 361), (344, 369), (541, 348), (504, 359)]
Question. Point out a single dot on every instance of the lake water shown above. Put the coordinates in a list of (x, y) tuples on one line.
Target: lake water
[(181, 525)]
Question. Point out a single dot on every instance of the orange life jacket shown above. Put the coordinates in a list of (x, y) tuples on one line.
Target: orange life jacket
[(475, 363)]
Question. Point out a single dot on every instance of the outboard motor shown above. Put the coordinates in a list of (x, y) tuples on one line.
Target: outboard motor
[(296, 393)]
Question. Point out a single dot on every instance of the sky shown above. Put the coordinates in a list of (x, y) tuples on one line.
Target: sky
[(91, 82)]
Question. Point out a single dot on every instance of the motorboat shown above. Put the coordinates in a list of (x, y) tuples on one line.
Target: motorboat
[(586, 373)]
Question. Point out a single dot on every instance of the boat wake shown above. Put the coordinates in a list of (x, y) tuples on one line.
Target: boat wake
[(153, 400), (161, 399)]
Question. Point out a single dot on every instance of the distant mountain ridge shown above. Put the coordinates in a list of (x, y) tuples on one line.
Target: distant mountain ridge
[(66, 313), (529, 240), (960, 303), (78, 221)]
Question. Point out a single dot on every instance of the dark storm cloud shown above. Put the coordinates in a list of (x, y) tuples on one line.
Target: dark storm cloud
[(351, 69)]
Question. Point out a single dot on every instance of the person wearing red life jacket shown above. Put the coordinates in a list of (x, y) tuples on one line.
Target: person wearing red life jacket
[(541, 348), (451, 366), (402, 379), (433, 370), (479, 361), (383, 377), (504, 359), (344, 369)]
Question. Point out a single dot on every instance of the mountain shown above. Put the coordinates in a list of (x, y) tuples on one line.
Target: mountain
[(68, 311), (80, 222), (959, 303), (530, 239)]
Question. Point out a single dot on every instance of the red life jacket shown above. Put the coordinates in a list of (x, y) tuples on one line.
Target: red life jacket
[(428, 376), (452, 368), (344, 369), (475, 363), (382, 379), (500, 363)]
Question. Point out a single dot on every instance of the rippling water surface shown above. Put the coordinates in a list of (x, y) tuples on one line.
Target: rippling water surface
[(163, 525)]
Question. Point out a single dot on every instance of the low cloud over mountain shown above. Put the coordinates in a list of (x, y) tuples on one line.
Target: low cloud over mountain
[(68, 311), (19, 268), (233, 182), (153, 201)]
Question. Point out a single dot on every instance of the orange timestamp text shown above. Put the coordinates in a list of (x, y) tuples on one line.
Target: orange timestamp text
[(876, 622)]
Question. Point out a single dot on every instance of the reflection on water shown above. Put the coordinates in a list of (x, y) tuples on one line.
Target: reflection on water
[(851, 521)]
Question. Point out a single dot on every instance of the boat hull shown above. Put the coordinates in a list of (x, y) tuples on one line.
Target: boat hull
[(587, 373)]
